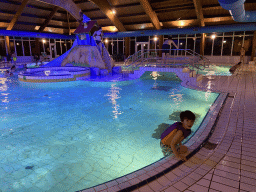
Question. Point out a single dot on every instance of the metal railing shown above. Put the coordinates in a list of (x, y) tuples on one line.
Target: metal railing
[(170, 58)]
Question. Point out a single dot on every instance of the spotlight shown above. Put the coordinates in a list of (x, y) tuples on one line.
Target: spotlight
[(213, 36)]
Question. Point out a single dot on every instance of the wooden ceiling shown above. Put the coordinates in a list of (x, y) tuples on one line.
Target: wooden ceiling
[(130, 15)]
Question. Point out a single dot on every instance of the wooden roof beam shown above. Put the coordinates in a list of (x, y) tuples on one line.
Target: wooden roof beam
[(106, 8), (68, 5), (17, 15), (199, 12), (152, 14), (48, 19)]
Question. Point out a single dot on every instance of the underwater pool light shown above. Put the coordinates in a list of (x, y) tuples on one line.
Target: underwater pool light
[(47, 73)]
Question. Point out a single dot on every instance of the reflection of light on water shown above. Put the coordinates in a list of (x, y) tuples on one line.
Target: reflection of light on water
[(113, 96), (154, 75), (208, 92), (210, 73), (177, 98), (4, 86)]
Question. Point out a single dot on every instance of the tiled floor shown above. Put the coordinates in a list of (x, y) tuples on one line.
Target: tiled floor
[(231, 166)]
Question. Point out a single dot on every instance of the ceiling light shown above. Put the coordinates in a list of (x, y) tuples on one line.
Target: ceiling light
[(155, 38), (114, 11), (106, 40), (213, 36)]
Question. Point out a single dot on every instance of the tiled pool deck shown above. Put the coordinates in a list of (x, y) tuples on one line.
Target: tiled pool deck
[(230, 166)]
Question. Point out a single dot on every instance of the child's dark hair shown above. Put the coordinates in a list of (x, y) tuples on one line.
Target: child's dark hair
[(187, 115)]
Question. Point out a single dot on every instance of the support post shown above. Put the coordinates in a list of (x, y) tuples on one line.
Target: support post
[(7, 40), (202, 44), (161, 41), (127, 46)]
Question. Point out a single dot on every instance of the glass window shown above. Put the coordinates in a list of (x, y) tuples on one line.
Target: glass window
[(208, 46), (197, 48), (115, 48), (12, 48), (32, 38), (25, 38), (33, 47), (182, 36), (142, 39), (63, 46), (58, 48), (182, 44), (249, 32), (19, 48), (132, 47), (68, 44), (120, 47), (228, 34), (41, 46), (26, 48), (227, 44), (110, 47), (248, 45), (17, 37), (152, 44), (237, 45), (51, 40), (217, 46), (2, 48), (239, 33), (219, 34), (190, 44), (47, 47)]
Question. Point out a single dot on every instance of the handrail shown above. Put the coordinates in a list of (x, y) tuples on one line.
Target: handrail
[(140, 57), (106, 57)]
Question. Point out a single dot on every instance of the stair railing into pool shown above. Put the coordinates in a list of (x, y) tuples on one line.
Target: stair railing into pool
[(175, 58), (107, 59)]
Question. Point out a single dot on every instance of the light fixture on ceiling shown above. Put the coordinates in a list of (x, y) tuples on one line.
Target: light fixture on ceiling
[(213, 36), (106, 40), (114, 11), (155, 38)]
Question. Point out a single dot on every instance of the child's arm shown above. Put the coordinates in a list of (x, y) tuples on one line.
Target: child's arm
[(177, 139)]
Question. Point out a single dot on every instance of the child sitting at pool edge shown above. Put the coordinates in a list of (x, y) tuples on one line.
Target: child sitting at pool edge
[(172, 137)]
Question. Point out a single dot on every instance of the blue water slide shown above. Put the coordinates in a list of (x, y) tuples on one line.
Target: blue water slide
[(57, 62), (237, 11)]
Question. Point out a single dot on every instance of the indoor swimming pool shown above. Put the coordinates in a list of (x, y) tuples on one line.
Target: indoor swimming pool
[(69, 136), (222, 70)]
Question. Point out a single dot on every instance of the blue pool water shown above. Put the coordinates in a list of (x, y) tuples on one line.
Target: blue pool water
[(70, 136), (216, 70)]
